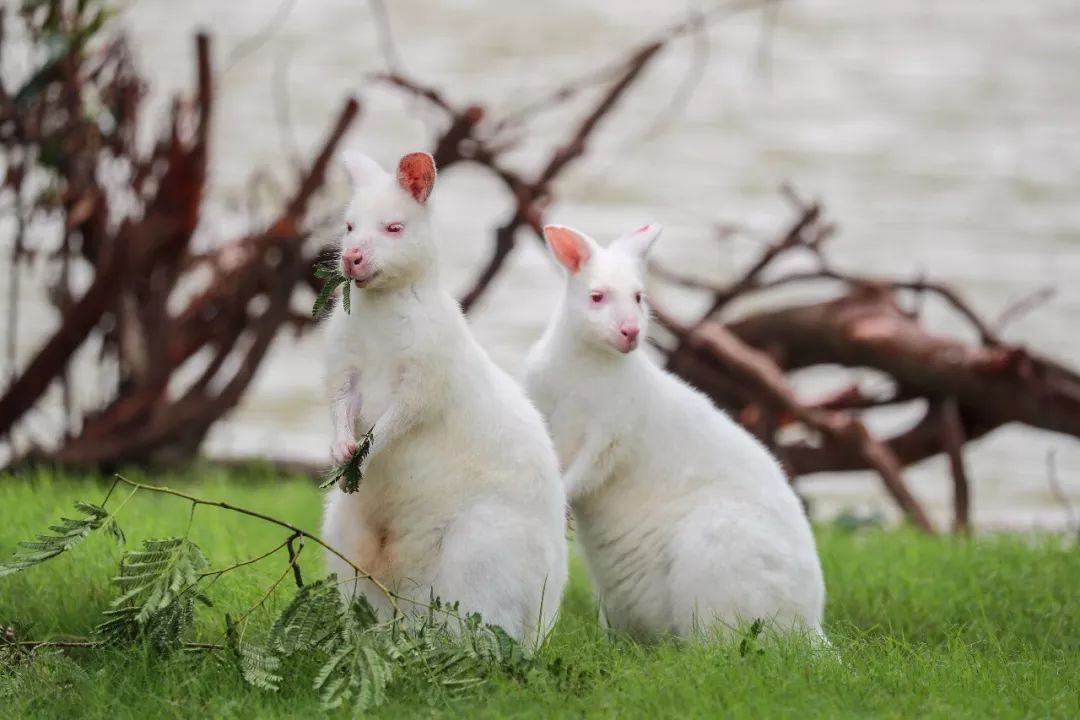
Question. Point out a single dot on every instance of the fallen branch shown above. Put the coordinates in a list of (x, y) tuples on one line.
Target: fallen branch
[(953, 439), (969, 389), (764, 378)]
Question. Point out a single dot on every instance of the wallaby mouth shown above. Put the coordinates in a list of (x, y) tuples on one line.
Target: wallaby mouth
[(365, 281), (625, 345)]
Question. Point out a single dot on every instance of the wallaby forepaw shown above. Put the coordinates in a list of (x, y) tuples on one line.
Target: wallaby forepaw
[(342, 452)]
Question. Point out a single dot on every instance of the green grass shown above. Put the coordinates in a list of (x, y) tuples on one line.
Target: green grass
[(926, 627)]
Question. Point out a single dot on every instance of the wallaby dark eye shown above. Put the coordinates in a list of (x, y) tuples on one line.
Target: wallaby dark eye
[(596, 296), (637, 297), (394, 228), (348, 227)]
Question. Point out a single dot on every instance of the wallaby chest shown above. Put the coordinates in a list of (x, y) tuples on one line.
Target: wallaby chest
[(378, 346), (568, 415)]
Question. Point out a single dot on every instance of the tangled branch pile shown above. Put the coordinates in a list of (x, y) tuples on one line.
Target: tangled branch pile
[(129, 215), (81, 108), (967, 389)]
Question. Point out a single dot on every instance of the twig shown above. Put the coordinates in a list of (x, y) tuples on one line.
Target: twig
[(749, 282), (249, 45), (530, 195), (266, 595), (391, 596), (791, 239), (986, 334), (293, 553), (251, 561), (36, 644), (686, 281), (1023, 306), (316, 175), (953, 439), (680, 98), (574, 147), (416, 88), (504, 244), (206, 92), (13, 280)]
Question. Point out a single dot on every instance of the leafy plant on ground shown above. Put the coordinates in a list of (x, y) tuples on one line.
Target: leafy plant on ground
[(159, 587), (749, 644), (164, 583)]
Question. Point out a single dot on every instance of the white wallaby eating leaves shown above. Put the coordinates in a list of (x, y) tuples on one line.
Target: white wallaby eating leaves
[(460, 496), (687, 522)]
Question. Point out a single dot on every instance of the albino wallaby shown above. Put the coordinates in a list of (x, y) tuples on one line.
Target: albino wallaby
[(686, 520), (461, 495)]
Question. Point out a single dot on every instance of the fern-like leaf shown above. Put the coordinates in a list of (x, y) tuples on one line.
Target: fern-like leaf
[(115, 532), (310, 617), (68, 533), (361, 615), (259, 665), (158, 590), (375, 671), (331, 276), (358, 670), (348, 474), (331, 682)]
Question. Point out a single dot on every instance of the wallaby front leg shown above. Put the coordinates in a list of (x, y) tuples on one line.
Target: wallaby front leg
[(344, 410), (590, 467), (405, 409)]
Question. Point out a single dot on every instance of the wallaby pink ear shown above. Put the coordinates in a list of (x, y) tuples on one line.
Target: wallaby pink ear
[(569, 247), (416, 175), (640, 241)]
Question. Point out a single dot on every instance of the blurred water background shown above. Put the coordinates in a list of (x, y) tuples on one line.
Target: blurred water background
[(944, 138)]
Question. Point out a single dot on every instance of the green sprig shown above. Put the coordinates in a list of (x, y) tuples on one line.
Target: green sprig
[(63, 536), (331, 276), (361, 658), (348, 474)]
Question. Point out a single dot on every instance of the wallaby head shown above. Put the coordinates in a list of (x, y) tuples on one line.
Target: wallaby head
[(388, 241), (605, 302)]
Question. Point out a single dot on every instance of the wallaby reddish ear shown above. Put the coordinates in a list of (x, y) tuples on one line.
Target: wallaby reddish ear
[(569, 247), (416, 175)]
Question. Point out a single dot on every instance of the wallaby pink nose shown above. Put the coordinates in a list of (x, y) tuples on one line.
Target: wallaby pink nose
[(351, 260), (629, 331)]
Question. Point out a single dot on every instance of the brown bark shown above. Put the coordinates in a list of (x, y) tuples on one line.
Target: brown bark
[(866, 328), (762, 377), (970, 389)]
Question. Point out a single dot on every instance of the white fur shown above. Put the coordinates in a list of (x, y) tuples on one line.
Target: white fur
[(461, 495), (685, 519)]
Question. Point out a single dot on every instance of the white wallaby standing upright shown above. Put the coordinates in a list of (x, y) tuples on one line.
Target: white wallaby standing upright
[(687, 522), (461, 495)]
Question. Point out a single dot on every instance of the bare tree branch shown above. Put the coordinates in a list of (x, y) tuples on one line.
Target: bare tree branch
[(953, 439)]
